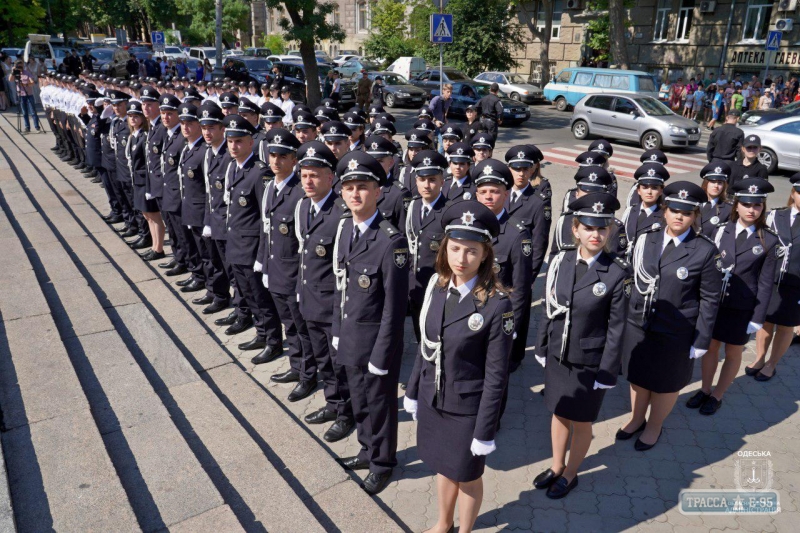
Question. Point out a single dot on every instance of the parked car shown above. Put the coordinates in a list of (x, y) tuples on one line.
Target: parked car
[(13, 52), (468, 93), (397, 91), (257, 52), (633, 117), (295, 76), (762, 116), (514, 85), (408, 67), (295, 53), (203, 53), (323, 57), (283, 57), (572, 84), (259, 68), (353, 68), (173, 52), (779, 141), (428, 81), (342, 58), (111, 61)]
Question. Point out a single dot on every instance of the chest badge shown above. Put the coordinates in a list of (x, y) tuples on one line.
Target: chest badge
[(599, 289), (155, 149), (655, 226), (190, 173), (321, 250), (218, 185), (715, 220), (496, 268), (723, 254), (243, 201), (434, 246), (467, 195), (171, 161), (475, 321), (283, 228), (548, 213), (758, 249), (363, 281), (682, 273)]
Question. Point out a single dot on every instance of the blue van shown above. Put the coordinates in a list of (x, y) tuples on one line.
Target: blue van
[(574, 83)]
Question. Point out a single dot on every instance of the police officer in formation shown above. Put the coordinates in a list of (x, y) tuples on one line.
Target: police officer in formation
[(717, 210)]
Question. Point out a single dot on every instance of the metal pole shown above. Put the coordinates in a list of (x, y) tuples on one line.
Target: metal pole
[(218, 70), (441, 55), (766, 66), (727, 38)]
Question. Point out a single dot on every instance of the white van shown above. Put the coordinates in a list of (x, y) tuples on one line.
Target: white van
[(38, 46), (110, 41), (203, 53), (408, 67)]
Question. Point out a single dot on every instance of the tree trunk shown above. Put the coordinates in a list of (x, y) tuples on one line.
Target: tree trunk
[(307, 52), (619, 48), (529, 18)]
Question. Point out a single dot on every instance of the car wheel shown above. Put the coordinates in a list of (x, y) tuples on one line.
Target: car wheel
[(580, 129), (651, 141), (515, 96), (389, 99), (561, 103), (768, 158)]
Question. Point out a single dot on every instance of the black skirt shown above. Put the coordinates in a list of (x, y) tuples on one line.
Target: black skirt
[(657, 362), (443, 442), (569, 390), (140, 201), (784, 306), (731, 326)]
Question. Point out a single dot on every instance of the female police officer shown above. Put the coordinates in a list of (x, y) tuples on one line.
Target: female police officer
[(459, 376), (580, 344), (672, 311)]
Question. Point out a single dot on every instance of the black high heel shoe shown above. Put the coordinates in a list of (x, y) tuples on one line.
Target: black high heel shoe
[(624, 435)]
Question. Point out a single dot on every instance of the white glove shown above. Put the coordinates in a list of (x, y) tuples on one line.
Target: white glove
[(335, 342), (752, 327), (482, 447), (601, 386), (694, 353), (258, 267), (375, 370), (188, 227), (410, 406), (148, 196), (265, 280), (542, 360), (207, 231)]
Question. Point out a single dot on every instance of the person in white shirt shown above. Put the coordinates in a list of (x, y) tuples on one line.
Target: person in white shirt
[(287, 105)]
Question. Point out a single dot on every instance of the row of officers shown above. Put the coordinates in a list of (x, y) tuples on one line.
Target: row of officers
[(325, 240)]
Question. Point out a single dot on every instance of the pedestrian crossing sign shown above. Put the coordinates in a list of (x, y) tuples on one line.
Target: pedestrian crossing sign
[(441, 28), (773, 41)]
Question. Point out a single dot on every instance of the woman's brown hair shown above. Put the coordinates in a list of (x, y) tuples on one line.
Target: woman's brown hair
[(790, 203), (606, 247), (696, 225), (536, 179), (487, 284), (760, 223), (723, 196)]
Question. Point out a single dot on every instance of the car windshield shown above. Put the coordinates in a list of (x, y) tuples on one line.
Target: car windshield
[(211, 53), (394, 79), (653, 107), (258, 64), (323, 70), (480, 90), (455, 75), (367, 65), (62, 52), (173, 50), (516, 78), (103, 54)]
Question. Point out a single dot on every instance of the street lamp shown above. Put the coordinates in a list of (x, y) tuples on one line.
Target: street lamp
[(219, 72)]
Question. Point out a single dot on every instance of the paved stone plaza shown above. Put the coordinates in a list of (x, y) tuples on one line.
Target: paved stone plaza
[(123, 408)]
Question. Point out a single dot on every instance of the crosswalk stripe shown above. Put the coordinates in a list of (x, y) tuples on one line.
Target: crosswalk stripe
[(566, 160), (616, 162), (683, 160)]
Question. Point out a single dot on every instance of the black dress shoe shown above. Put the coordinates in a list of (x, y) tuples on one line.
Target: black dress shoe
[(304, 389), (711, 406), (763, 377), (184, 282), (228, 320), (353, 463), (269, 353), (152, 255), (130, 233), (114, 219), (204, 300), (339, 430), (375, 483), (144, 242), (177, 270), (640, 446), (750, 371), (215, 307), (624, 435), (194, 286), (255, 344), (169, 264), (697, 400), (561, 488), (320, 416), (545, 479), (239, 325), (290, 376), (96, 180), (123, 229)]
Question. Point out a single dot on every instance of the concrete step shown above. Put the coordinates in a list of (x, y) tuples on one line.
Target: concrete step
[(169, 350), (6, 512)]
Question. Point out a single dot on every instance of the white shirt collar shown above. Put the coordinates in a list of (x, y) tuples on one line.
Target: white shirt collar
[(245, 162), (465, 289), (500, 214), (192, 145), (218, 148), (154, 121), (794, 212), (750, 229), (648, 210), (364, 226), (713, 201), (173, 130), (520, 191), (677, 240), (459, 182), (279, 185), (426, 204), (591, 260), (317, 206)]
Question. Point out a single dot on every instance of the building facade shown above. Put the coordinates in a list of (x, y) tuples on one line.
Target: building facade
[(677, 38)]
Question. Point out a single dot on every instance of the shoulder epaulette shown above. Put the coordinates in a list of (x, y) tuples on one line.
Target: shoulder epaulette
[(722, 224), (568, 247), (543, 195), (388, 228), (399, 185), (517, 222), (621, 262), (770, 230), (261, 165), (706, 237)]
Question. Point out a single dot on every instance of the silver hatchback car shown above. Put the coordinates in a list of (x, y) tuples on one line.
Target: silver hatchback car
[(635, 118)]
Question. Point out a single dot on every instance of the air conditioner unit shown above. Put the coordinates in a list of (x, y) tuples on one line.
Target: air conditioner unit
[(784, 24), (708, 6), (787, 5), (574, 4)]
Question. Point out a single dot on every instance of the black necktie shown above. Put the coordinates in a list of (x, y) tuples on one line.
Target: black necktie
[(642, 216), (425, 211), (580, 269), (668, 248), (312, 214), (516, 194), (356, 236), (741, 238), (450, 305)]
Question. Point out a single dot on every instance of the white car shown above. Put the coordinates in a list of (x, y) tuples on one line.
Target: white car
[(173, 52), (514, 85), (204, 52), (341, 59), (779, 143), (283, 57)]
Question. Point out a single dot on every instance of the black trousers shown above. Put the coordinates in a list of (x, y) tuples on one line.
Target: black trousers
[(301, 355), (105, 179), (265, 315), (172, 221), (374, 400), (216, 278), (123, 190), (520, 343), (194, 263), (239, 303), (490, 125), (333, 375)]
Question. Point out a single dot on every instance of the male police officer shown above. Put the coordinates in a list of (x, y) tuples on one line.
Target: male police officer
[(491, 109), (394, 199), (371, 267)]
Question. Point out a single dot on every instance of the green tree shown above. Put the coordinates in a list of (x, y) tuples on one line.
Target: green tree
[(19, 18), (388, 38), (275, 43), (201, 30), (307, 23), (607, 28)]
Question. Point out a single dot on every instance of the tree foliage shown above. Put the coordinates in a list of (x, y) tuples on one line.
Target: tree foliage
[(202, 28), (610, 44), (388, 38), (275, 43), (19, 18)]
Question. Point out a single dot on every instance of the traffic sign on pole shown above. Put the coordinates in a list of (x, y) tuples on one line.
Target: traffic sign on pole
[(773, 41), (157, 39), (441, 28)]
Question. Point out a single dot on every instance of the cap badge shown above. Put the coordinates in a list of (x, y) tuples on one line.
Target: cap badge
[(332, 130), (460, 151), (467, 218), (592, 177), (601, 146), (227, 99), (205, 113), (651, 172), (487, 171), (718, 170), (426, 161), (590, 160), (482, 139), (311, 152), (653, 157), (752, 138), (598, 207), (374, 146), (449, 130), (270, 112), (752, 189), (520, 155), (413, 137), (352, 165), (683, 194), (234, 124), (277, 139)]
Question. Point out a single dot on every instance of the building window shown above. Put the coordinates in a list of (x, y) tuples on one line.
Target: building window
[(662, 21), (684, 20), (558, 9), (756, 20), (335, 15), (362, 16)]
